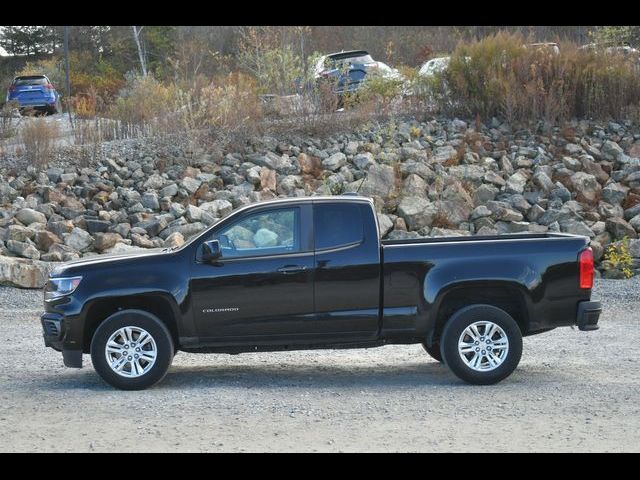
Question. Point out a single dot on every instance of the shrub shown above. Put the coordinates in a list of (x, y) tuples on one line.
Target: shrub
[(501, 76), (38, 138), (619, 256), (7, 120)]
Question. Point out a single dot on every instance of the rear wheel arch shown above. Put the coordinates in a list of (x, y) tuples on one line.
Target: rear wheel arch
[(506, 296), (156, 304)]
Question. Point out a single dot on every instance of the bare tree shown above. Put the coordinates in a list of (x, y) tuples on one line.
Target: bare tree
[(136, 35)]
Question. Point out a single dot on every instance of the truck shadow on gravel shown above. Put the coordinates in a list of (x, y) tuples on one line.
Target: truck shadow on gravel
[(318, 377)]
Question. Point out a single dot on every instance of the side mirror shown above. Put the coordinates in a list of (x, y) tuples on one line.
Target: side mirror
[(211, 250)]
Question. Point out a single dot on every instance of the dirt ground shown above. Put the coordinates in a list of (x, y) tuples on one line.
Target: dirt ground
[(573, 391)]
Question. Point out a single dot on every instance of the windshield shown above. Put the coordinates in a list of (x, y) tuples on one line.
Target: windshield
[(333, 62)]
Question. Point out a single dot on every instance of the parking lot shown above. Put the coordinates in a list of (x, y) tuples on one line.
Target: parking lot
[(573, 391)]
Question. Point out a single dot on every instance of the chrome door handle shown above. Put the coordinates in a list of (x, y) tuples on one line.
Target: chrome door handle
[(289, 269)]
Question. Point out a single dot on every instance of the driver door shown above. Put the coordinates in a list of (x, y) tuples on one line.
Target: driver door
[(261, 288)]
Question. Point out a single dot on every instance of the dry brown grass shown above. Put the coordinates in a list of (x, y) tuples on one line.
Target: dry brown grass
[(440, 220), (500, 76), (38, 138)]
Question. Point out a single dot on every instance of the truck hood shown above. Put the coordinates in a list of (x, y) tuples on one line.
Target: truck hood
[(95, 260)]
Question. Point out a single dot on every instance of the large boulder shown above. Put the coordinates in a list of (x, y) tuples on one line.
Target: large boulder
[(417, 212), (24, 273), (380, 182), (586, 186), (334, 162), (217, 208)]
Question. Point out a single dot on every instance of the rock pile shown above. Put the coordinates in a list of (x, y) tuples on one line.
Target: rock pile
[(442, 177)]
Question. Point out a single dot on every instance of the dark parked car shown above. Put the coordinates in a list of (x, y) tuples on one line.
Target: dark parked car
[(347, 71), (34, 92), (306, 273)]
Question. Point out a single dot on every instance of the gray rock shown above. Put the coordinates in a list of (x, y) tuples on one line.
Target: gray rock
[(480, 212), (151, 227), (503, 211), (335, 161), (586, 186), (44, 239), (94, 225), (154, 182), (19, 233), (484, 194), (635, 223), (190, 184), (620, 229), (362, 161), (169, 191), (217, 208), (511, 227), (380, 182), (414, 185), (576, 227), (79, 240), (444, 154), (23, 249), (516, 183), (417, 212), (385, 224), (150, 200), (614, 193), (23, 273), (174, 240), (104, 241), (27, 216), (611, 150), (495, 179)]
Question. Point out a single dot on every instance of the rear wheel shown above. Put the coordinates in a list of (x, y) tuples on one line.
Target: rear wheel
[(481, 344), (132, 350)]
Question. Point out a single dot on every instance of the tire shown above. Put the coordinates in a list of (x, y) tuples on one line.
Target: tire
[(499, 361), (433, 351), (131, 326)]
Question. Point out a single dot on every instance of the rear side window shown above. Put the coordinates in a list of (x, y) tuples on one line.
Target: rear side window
[(337, 224)]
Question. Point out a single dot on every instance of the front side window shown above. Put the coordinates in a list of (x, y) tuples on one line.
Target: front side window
[(263, 233), (337, 225)]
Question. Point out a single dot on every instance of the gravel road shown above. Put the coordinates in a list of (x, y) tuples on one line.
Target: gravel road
[(574, 391)]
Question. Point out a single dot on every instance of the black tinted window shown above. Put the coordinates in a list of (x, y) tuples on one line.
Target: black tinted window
[(337, 224), (30, 81)]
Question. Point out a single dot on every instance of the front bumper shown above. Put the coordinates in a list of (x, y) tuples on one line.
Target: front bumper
[(588, 315), (53, 331)]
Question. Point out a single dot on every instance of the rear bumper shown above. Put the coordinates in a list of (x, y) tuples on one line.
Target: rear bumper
[(588, 315)]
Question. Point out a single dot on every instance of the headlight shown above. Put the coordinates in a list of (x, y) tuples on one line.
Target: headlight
[(59, 287)]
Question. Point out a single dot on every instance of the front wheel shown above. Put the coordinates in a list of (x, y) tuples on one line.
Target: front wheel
[(433, 351), (481, 344), (132, 350)]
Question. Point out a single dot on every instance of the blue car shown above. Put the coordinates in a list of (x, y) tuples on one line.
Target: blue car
[(34, 93)]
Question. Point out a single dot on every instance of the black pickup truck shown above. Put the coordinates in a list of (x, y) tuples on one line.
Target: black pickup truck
[(306, 273)]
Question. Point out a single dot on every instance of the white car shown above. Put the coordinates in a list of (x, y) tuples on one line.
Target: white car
[(433, 66)]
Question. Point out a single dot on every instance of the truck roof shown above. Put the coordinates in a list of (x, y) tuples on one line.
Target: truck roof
[(334, 198)]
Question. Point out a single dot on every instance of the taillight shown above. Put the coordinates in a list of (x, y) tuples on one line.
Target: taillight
[(585, 260), (12, 88), (49, 86)]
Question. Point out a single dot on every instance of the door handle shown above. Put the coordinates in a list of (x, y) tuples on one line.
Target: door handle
[(289, 269)]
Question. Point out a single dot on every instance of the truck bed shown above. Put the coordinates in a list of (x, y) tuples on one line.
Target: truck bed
[(476, 238)]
